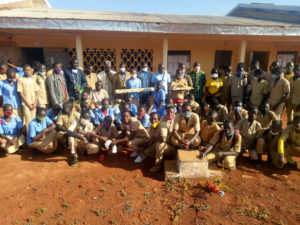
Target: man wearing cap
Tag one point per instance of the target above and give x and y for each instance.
(106, 77)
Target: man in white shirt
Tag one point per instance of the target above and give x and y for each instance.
(106, 77)
(162, 76)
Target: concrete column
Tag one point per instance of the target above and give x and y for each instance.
(165, 52)
(242, 53)
(79, 50)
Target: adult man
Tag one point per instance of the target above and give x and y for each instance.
(289, 74)
(199, 80)
(279, 93)
(75, 79)
(57, 88)
(186, 128)
(254, 67)
(162, 76)
(265, 117)
(119, 80)
(134, 83)
(106, 77)
(224, 146)
(145, 76)
(295, 94)
(259, 88)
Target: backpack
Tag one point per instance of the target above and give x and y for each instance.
(236, 134)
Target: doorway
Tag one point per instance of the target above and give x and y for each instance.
(262, 57)
(29, 55)
(175, 57)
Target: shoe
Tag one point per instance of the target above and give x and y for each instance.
(156, 168)
(73, 160)
(291, 166)
(34, 151)
(140, 159)
(133, 154)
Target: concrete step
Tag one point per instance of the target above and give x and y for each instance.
(170, 169)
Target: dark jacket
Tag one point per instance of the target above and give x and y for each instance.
(72, 79)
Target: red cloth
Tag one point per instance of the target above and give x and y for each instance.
(178, 100)
(104, 112)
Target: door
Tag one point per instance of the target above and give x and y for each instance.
(175, 57)
(284, 57)
(56, 55)
(262, 57)
(29, 55)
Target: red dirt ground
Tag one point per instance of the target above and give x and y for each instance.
(43, 189)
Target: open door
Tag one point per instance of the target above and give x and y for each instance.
(262, 57)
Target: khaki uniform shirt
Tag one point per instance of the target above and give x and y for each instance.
(195, 106)
(91, 81)
(136, 126)
(222, 113)
(43, 95)
(190, 127)
(167, 127)
(258, 90)
(224, 145)
(110, 134)
(176, 83)
(295, 91)
(278, 89)
(155, 132)
(75, 126)
(77, 104)
(232, 117)
(226, 85)
(271, 141)
(29, 87)
(207, 131)
(292, 137)
(65, 120)
(247, 131)
(266, 120)
(98, 96)
(237, 86)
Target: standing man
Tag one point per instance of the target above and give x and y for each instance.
(91, 79)
(119, 80)
(199, 80)
(75, 79)
(162, 76)
(145, 76)
(106, 77)
(134, 83)
(56, 85)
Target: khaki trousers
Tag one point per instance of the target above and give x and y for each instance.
(12, 148)
(184, 136)
(75, 143)
(226, 161)
(48, 145)
(291, 151)
(278, 112)
(28, 115)
(137, 143)
(159, 150)
(61, 136)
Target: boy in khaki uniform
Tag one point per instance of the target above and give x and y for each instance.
(288, 144)
(248, 129)
(98, 95)
(280, 91)
(220, 109)
(40, 79)
(133, 134)
(191, 100)
(224, 146)
(265, 117)
(259, 88)
(28, 90)
(209, 127)
(65, 119)
(226, 77)
(267, 142)
(186, 128)
(79, 137)
(178, 82)
(84, 98)
(91, 79)
(294, 99)
(238, 113)
(163, 145)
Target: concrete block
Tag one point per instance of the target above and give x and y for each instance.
(171, 171)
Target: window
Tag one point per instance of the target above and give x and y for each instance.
(222, 58)
(175, 57)
(284, 57)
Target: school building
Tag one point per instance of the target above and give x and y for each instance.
(35, 31)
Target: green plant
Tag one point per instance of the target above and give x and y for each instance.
(41, 211)
(98, 212)
(65, 205)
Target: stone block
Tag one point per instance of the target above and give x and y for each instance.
(170, 167)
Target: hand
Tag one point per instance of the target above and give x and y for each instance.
(113, 142)
(280, 160)
(219, 155)
(85, 141)
(10, 142)
(104, 139)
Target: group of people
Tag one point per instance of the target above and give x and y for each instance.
(222, 114)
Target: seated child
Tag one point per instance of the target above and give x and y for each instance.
(143, 117)
(238, 113)
(195, 105)
(53, 112)
(209, 127)
(105, 110)
(99, 94)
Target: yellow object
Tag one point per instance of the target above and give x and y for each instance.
(156, 124)
(214, 85)
(281, 145)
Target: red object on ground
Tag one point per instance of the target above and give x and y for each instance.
(101, 158)
(211, 187)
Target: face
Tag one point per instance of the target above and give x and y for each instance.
(274, 66)
(126, 107)
(170, 101)
(107, 123)
(58, 66)
(252, 115)
(179, 75)
(67, 109)
(3, 69)
(90, 70)
(11, 77)
(275, 128)
(42, 68)
(161, 68)
(228, 129)
(187, 109)
(8, 111)
(84, 95)
(159, 85)
(107, 68)
(153, 118)
(75, 64)
(99, 86)
(27, 70)
(170, 112)
(141, 111)
(265, 108)
(183, 68)
(296, 124)
(130, 100)
(255, 66)
(85, 116)
(197, 67)
(85, 107)
(105, 103)
(41, 116)
(126, 117)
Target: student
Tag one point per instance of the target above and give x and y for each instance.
(65, 119)
(163, 77)
(288, 144)
(91, 79)
(9, 94)
(134, 83)
(224, 147)
(11, 127)
(105, 110)
(53, 113)
(267, 142)
(185, 75)
(3, 69)
(204, 109)
(289, 70)
(160, 97)
(226, 78)
(79, 137)
(29, 93)
(213, 86)
(238, 113)
(169, 102)
(85, 106)
(98, 95)
(199, 80)
(238, 84)
(143, 117)
(249, 128)
(84, 98)
(265, 117)
(221, 110)
(163, 145)
(104, 132)
(177, 83)
(186, 128)
(41, 133)
(133, 134)
(151, 107)
(40, 78)
(259, 88)
(279, 92)
(56, 85)
(119, 80)
(295, 94)
(145, 76)
(133, 107)
(191, 100)
(208, 127)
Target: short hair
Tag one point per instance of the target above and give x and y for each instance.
(68, 104)
(10, 71)
(214, 101)
(26, 65)
(3, 64)
(6, 105)
(84, 104)
(186, 104)
(125, 111)
(83, 112)
(153, 113)
(196, 63)
(57, 63)
(170, 107)
(190, 95)
(108, 118)
(212, 113)
(142, 107)
(229, 122)
(104, 100)
(39, 110)
(73, 60)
